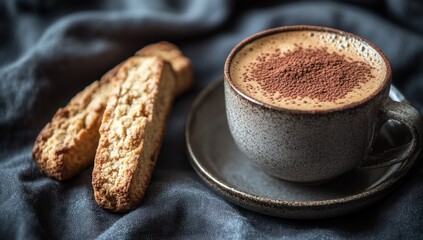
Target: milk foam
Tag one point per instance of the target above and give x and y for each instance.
(352, 49)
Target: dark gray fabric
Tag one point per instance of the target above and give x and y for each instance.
(52, 49)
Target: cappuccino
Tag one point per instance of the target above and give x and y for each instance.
(308, 70)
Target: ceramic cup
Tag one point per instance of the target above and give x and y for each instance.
(306, 146)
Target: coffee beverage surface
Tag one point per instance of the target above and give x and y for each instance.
(308, 70)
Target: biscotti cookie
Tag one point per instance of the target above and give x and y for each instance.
(131, 132)
(180, 64)
(68, 143)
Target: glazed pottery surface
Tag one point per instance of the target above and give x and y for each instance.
(225, 168)
(309, 146)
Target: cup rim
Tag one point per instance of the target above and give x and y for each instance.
(276, 30)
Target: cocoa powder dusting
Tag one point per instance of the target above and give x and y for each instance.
(306, 72)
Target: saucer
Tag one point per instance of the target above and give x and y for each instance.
(225, 169)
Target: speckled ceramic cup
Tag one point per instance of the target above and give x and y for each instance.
(309, 146)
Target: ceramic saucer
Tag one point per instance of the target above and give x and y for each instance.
(224, 168)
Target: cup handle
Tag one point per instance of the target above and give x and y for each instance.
(412, 119)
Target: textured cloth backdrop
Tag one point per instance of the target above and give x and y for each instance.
(52, 49)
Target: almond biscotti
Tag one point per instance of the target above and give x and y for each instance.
(131, 132)
(180, 64)
(68, 143)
